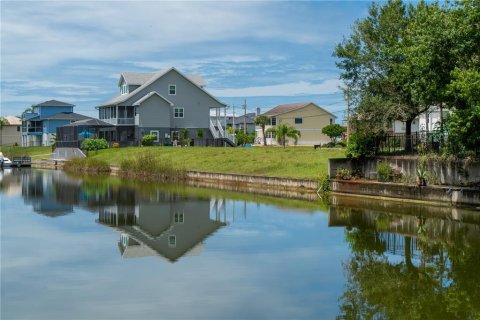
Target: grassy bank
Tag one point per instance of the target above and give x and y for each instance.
(33, 152)
(293, 162)
(87, 165)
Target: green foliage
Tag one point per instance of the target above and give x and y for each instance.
(244, 138)
(324, 184)
(184, 137)
(362, 145)
(94, 144)
(405, 58)
(148, 139)
(344, 173)
(333, 131)
(147, 166)
(283, 131)
(200, 133)
(3, 122)
(384, 171)
(87, 165)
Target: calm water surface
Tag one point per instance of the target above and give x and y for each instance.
(100, 248)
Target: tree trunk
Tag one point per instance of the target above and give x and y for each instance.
(264, 137)
(408, 135)
(408, 253)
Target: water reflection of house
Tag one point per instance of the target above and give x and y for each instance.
(41, 192)
(171, 227)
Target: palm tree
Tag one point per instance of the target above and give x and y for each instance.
(284, 131)
(262, 121)
(27, 110)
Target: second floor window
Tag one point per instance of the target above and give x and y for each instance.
(172, 89)
(124, 88)
(178, 112)
(273, 121)
(298, 120)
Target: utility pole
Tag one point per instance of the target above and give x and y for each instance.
(245, 117)
(233, 118)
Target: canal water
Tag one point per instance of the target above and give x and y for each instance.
(103, 248)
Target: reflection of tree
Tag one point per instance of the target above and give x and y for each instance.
(444, 285)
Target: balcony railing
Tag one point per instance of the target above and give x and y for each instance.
(120, 121)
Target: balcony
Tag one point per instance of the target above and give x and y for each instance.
(120, 121)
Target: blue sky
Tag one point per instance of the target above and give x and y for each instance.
(267, 52)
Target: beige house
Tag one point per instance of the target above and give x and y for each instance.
(306, 117)
(11, 133)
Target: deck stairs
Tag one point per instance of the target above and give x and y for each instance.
(218, 132)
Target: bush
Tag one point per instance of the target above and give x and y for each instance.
(362, 145)
(384, 171)
(94, 144)
(344, 174)
(148, 139)
(329, 145)
(324, 184)
(340, 144)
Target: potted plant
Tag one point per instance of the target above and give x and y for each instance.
(344, 174)
(421, 176)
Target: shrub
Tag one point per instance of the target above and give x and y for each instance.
(384, 171)
(329, 145)
(148, 139)
(323, 184)
(94, 144)
(340, 144)
(344, 174)
(362, 145)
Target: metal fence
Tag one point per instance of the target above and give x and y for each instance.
(420, 142)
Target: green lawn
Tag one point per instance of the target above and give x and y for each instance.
(34, 152)
(294, 162)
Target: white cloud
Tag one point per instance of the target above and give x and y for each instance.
(287, 89)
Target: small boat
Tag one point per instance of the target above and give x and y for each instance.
(5, 162)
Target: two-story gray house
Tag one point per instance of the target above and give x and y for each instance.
(164, 104)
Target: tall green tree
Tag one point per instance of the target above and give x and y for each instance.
(395, 62)
(333, 131)
(262, 121)
(283, 131)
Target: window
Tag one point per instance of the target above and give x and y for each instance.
(273, 121)
(172, 89)
(331, 121)
(172, 241)
(178, 112)
(124, 88)
(269, 134)
(156, 133)
(179, 217)
(18, 128)
(298, 120)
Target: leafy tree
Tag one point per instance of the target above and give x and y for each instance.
(333, 131)
(262, 121)
(3, 122)
(27, 110)
(396, 61)
(284, 131)
(244, 138)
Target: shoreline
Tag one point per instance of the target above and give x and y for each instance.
(305, 189)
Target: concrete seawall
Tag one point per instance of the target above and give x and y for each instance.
(306, 189)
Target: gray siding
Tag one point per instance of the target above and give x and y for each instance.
(154, 112)
(196, 102)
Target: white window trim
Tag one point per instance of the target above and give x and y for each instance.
(172, 245)
(183, 112)
(172, 85)
(158, 135)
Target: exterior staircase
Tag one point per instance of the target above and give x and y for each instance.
(219, 133)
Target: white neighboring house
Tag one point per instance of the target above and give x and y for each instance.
(427, 121)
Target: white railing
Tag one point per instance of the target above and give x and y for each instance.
(220, 129)
(120, 121)
(213, 130)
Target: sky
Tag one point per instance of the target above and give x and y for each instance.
(268, 53)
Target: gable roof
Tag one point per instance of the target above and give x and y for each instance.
(13, 121)
(147, 96)
(139, 78)
(53, 103)
(284, 108)
(124, 97)
(71, 116)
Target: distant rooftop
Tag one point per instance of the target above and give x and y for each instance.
(13, 121)
(53, 103)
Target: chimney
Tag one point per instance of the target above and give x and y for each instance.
(258, 111)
